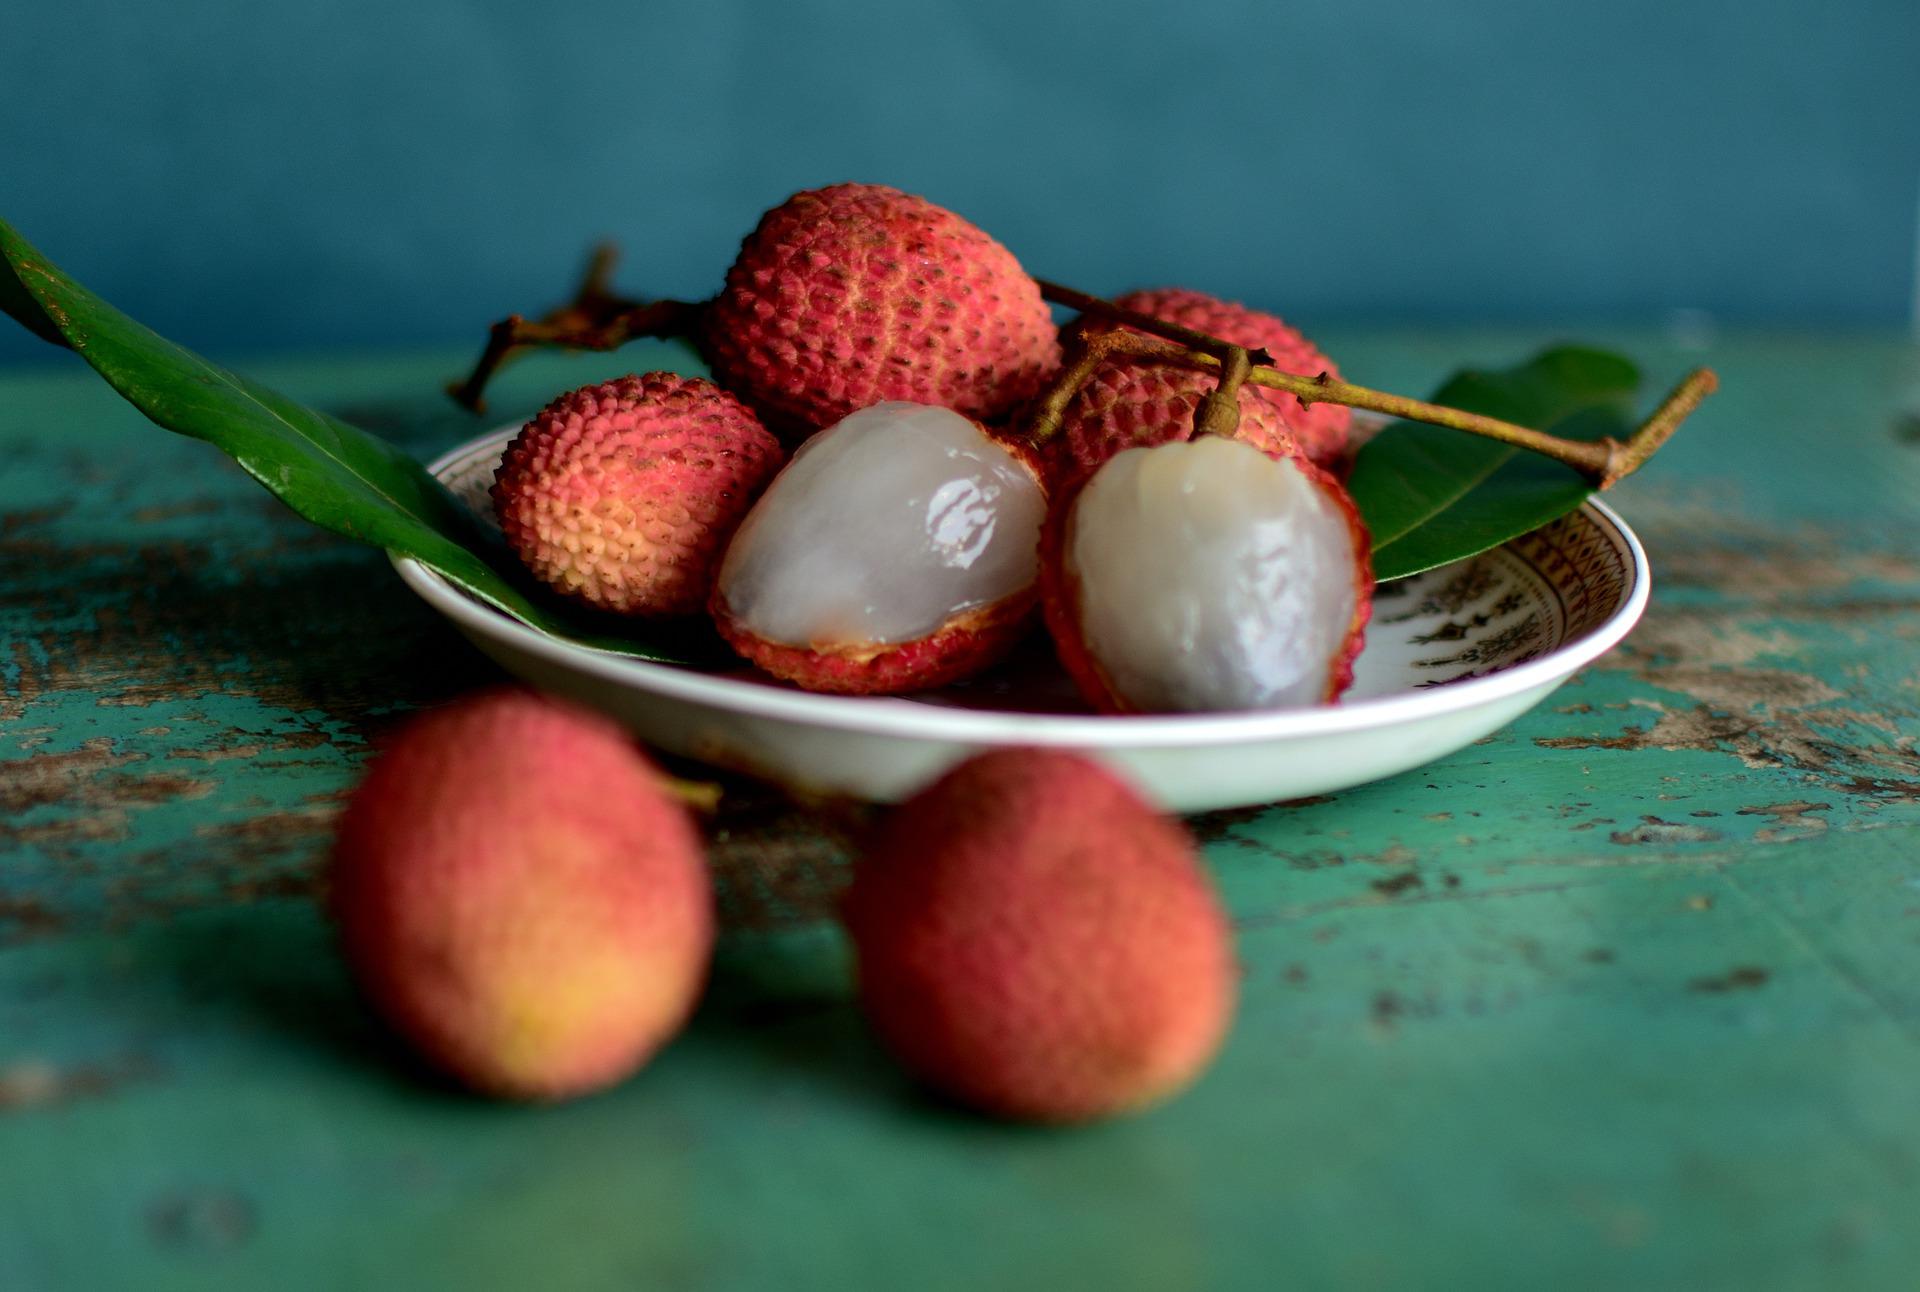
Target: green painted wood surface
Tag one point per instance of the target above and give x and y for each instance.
(1627, 995)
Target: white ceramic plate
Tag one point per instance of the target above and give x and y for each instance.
(1451, 655)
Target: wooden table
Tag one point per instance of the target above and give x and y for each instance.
(1626, 995)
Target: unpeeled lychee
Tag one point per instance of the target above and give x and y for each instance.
(1037, 942)
(896, 552)
(519, 898)
(1320, 430)
(1205, 575)
(1128, 403)
(623, 495)
(846, 296)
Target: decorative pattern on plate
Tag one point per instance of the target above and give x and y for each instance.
(1520, 601)
(469, 476)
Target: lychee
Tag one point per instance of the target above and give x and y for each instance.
(1037, 942)
(520, 899)
(1206, 575)
(1320, 430)
(897, 551)
(1127, 403)
(854, 294)
(623, 495)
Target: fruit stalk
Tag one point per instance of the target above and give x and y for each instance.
(1625, 459)
(1075, 299)
(1219, 413)
(594, 319)
(702, 797)
(1604, 461)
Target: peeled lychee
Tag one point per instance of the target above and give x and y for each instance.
(519, 898)
(1206, 575)
(858, 293)
(1320, 430)
(896, 552)
(1037, 942)
(623, 495)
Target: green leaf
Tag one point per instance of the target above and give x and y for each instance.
(19, 304)
(332, 473)
(1430, 495)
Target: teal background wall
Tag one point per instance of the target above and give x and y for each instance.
(251, 177)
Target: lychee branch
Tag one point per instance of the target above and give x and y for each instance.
(1086, 350)
(1096, 307)
(1605, 461)
(598, 319)
(595, 319)
(1624, 459)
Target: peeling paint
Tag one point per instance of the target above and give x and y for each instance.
(1653, 830)
(1790, 820)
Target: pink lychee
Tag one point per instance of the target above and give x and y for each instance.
(520, 899)
(623, 495)
(1035, 941)
(850, 295)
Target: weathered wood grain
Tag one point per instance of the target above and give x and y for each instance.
(1627, 994)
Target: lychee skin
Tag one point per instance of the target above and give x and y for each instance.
(968, 645)
(1060, 593)
(1321, 430)
(1128, 403)
(1035, 941)
(846, 296)
(520, 900)
(622, 495)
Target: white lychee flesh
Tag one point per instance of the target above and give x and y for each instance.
(1211, 577)
(882, 529)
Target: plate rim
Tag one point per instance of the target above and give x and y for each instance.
(903, 717)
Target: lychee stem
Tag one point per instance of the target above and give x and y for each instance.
(696, 796)
(1085, 351)
(1605, 461)
(1074, 299)
(1624, 459)
(1219, 413)
(595, 319)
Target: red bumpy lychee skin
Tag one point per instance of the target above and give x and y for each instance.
(1037, 942)
(520, 899)
(1144, 404)
(966, 646)
(1129, 403)
(1060, 593)
(857, 293)
(1320, 430)
(623, 495)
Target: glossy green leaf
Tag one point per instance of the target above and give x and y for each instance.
(1431, 495)
(332, 473)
